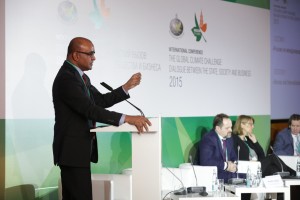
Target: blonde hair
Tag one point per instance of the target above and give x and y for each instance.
(237, 129)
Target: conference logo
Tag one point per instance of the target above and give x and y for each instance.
(67, 11)
(99, 14)
(199, 28)
(176, 27)
(69, 14)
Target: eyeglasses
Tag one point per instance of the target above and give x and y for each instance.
(91, 53)
(249, 123)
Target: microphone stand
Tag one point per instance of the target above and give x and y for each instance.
(237, 180)
(195, 189)
(182, 190)
(237, 163)
(282, 173)
(111, 89)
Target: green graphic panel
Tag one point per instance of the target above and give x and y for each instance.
(262, 130)
(114, 152)
(28, 151)
(180, 136)
(28, 156)
(256, 3)
(2, 157)
(175, 151)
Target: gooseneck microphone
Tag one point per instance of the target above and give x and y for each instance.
(111, 89)
(191, 160)
(182, 190)
(282, 173)
(195, 189)
(106, 86)
(237, 180)
(237, 163)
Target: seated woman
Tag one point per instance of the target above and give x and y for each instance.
(244, 137)
(250, 149)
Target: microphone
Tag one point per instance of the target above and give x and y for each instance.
(111, 89)
(237, 162)
(237, 180)
(107, 86)
(282, 173)
(182, 190)
(191, 160)
(195, 189)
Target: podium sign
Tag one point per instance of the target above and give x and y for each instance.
(146, 159)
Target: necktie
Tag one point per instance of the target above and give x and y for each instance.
(87, 83)
(224, 148)
(85, 79)
(91, 123)
(298, 145)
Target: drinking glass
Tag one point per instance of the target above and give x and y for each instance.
(221, 186)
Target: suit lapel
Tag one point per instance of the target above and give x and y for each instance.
(291, 141)
(74, 71)
(80, 79)
(220, 145)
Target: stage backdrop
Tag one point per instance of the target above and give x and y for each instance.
(198, 58)
(285, 58)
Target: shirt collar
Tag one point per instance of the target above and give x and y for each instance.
(220, 137)
(77, 68)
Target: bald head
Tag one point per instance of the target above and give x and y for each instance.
(81, 53)
(76, 44)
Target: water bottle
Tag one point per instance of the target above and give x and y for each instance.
(298, 168)
(248, 177)
(259, 175)
(214, 181)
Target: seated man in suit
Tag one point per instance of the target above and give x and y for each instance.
(212, 152)
(287, 141)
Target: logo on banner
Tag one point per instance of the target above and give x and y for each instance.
(99, 14)
(176, 27)
(69, 14)
(199, 28)
(67, 11)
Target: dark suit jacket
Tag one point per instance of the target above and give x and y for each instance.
(74, 110)
(244, 150)
(283, 144)
(210, 152)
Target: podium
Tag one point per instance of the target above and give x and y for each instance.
(146, 158)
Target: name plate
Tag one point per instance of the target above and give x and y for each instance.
(273, 181)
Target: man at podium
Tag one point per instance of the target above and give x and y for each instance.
(78, 105)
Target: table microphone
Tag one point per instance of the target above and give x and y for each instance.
(195, 189)
(237, 163)
(182, 190)
(237, 180)
(282, 173)
(111, 89)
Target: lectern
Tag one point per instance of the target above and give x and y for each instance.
(146, 159)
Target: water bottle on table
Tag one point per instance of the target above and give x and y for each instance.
(248, 177)
(298, 168)
(214, 181)
(259, 176)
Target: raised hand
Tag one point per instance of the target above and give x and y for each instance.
(134, 80)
